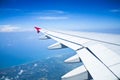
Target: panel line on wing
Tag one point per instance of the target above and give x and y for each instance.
(76, 40)
(90, 39)
(67, 41)
(68, 44)
(86, 56)
(91, 54)
(114, 64)
(102, 62)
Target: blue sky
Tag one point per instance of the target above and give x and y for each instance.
(22, 15)
(59, 14)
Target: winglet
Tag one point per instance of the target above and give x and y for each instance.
(38, 29)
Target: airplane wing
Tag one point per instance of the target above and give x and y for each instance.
(99, 53)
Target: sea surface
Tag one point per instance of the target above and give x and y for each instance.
(23, 47)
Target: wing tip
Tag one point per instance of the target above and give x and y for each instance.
(37, 29)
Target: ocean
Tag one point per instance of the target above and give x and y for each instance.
(23, 47)
(20, 47)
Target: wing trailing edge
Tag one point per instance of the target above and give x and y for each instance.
(44, 37)
(95, 67)
(112, 62)
(100, 62)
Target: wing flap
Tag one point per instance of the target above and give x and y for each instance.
(95, 67)
(67, 43)
(73, 39)
(101, 62)
(108, 57)
(116, 70)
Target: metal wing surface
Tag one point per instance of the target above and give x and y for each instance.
(98, 52)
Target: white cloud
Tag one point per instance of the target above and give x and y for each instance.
(35, 64)
(21, 71)
(50, 15)
(7, 78)
(52, 18)
(54, 11)
(115, 10)
(56, 56)
(10, 28)
(49, 12)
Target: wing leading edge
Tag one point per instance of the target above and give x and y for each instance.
(99, 61)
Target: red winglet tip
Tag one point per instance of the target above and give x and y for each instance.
(38, 29)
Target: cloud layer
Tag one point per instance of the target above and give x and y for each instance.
(115, 10)
(51, 15)
(52, 18)
(10, 28)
